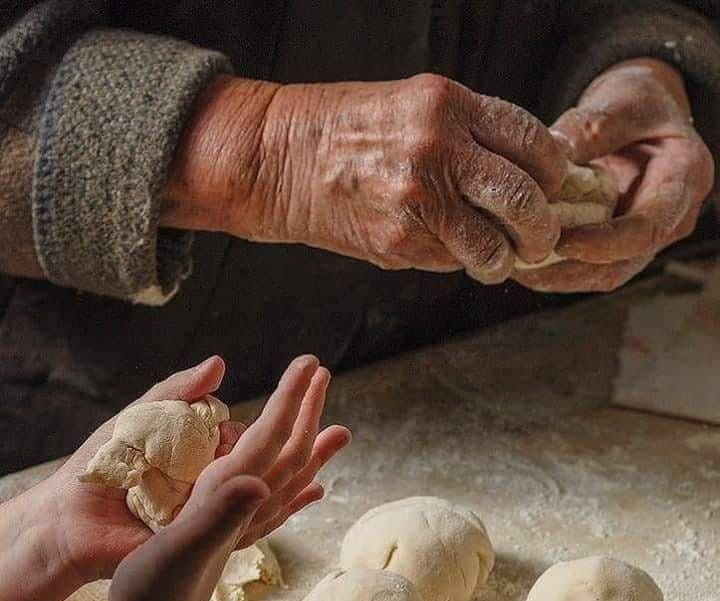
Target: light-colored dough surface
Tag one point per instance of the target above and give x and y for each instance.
(588, 196)
(515, 423)
(598, 578)
(441, 547)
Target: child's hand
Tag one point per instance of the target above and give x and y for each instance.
(264, 475)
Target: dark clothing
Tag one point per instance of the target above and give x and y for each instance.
(93, 96)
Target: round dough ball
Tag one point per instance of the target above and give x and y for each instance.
(595, 579)
(363, 584)
(442, 548)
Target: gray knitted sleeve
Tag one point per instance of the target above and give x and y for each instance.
(109, 127)
(89, 120)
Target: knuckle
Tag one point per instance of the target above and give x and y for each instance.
(522, 199)
(529, 130)
(583, 123)
(435, 94)
(434, 86)
(494, 260)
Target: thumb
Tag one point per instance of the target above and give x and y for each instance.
(215, 514)
(185, 559)
(618, 109)
(190, 384)
(586, 133)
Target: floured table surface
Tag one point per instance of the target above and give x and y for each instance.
(514, 422)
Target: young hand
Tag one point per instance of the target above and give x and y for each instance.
(264, 475)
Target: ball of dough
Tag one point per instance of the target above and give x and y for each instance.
(363, 584)
(442, 548)
(595, 579)
(156, 452)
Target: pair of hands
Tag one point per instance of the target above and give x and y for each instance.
(262, 475)
(424, 173)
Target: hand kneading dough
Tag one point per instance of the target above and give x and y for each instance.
(157, 451)
(443, 549)
(595, 579)
(588, 196)
(363, 584)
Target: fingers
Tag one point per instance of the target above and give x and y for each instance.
(190, 384)
(260, 445)
(664, 208)
(188, 556)
(617, 110)
(313, 493)
(229, 506)
(297, 450)
(510, 131)
(330, 442)
(510, 195)
(575, 276)
(484, 252)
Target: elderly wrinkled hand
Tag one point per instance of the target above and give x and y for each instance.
(635, 121)
(417, 173)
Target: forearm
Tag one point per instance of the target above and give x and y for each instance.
(31, 564)
(221, 165)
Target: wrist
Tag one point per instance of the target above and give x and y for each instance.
(38, 566)
(219, 166)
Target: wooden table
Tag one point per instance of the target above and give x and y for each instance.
(515, 422)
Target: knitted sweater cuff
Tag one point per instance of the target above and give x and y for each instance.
(109, 128)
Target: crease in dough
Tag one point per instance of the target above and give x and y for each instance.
(156, 452)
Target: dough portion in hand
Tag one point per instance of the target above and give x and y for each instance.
(363, 584)
(588, 196)
(254, 564)
(442, 548)
(595, 579)
(157, 451)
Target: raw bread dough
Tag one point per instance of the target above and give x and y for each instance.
(595, 579)
(254, 564)
(363, 584)
(588, 196)
(442, 548)
(157, 451)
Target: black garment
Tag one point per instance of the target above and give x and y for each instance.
(70, 359)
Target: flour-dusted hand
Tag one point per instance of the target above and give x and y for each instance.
(418, 173)
(635, 121)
